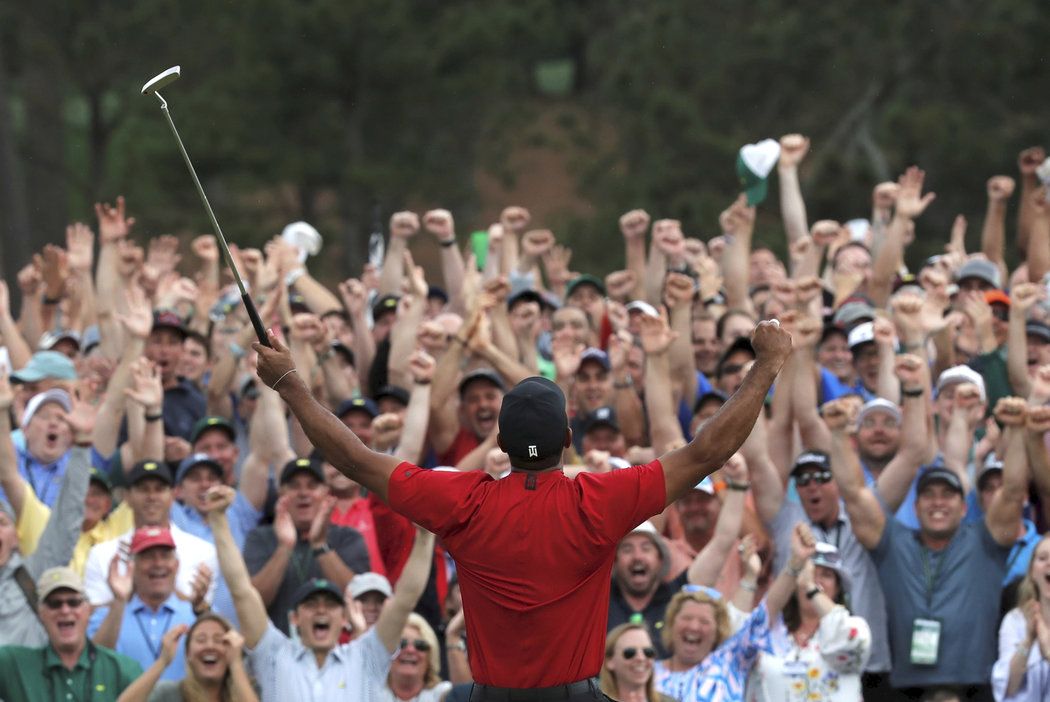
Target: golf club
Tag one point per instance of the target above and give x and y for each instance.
(152, 86)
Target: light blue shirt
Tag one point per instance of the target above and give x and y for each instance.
(142, 629)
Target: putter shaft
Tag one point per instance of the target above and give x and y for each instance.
(253, 313)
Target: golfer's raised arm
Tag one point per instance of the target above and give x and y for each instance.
(722, 435)
(337, 443)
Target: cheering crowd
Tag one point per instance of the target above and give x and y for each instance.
(169, 532)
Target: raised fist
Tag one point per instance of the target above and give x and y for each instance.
(793, 148)
(825, 232)
(1030, 159)
(404, 224)
(772, 344)
(1011, 411)
(440, 224)
(633, 224)
(1000, 187)
(838, 415)
(514, 219)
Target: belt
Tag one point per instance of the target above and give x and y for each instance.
(572, 691)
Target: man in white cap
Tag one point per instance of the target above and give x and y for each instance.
(371, 591)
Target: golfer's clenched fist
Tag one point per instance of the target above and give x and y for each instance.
(275, 364)
(772, 344)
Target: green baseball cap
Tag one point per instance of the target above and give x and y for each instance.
(754, 163)
(205, 423)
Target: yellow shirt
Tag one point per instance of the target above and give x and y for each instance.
(34, 518)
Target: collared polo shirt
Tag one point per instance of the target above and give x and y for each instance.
(242, 515)
(620, 612)
(142, 628)
(866, 598)
(534, 555)
(37, 674)
(286, 670)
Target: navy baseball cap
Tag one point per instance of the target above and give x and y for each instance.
(596, 355)
(301, 465)
(144, 470)
(938, 473)
(194, 460)
(393, 392)
(312, 587)
(484, 374)
(166, 319)
(360, 404)
(533, 424)
(601, 417)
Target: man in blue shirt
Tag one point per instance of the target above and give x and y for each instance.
(145, 604)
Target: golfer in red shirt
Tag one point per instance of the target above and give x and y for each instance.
(534, 551)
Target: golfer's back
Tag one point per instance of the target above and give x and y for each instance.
(534, 553)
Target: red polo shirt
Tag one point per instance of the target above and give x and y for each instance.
(534, 554)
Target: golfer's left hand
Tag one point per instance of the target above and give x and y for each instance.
(274, 363)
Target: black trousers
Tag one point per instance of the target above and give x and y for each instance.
(579, 691)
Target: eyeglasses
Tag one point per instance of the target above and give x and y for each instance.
(730, 369)
(57, 603)
(648, 652)
(821, 478)
(419, 644)
(709, 591)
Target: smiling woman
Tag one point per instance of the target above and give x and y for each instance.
(416, 667)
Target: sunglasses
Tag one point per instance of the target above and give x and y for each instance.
(709, 591)
(648, 652)
(57, 603)
(419, 644)
(821, 478)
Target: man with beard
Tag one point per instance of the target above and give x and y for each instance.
(68, 661)
(145, 605)
(641, 563)
(315, 667)
(302, 544)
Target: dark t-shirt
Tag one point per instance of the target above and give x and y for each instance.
(534, 554)
(184, 404)
(262, 542)
(620, 612)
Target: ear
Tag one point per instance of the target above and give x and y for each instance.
(499, 442)
(568, 438)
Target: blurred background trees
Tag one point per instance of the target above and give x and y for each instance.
(342, 111)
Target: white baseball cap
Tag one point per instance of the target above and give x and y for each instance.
(962, 374)
(40, 399)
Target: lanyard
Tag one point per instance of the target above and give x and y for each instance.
(826, 532)
(931, 578)
(302, 565)
(154, 650)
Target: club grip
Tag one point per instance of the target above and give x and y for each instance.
(253, 314)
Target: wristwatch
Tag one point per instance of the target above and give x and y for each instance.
(320, 551)
(813, 592)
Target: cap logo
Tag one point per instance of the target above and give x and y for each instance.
(303, 463)
(150, 466)
(603, 413)
(533, 452)
(213, 420)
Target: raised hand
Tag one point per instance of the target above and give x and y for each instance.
(54, 268)
(566, 353)
(735, 469)
(1030, 159)
(679, 289)
(805, 332)
(537, 242)
(1024, 296)
(668, 237)
(634, 224)
(910, 201)
(421, 365)
(113, 225)
(655, 333)
(910, 371)
(884, 196)
(121, 583)
(146, 387)
(808, 289)
(386, 431)
(738, 218)
(275, 361)
(29, 278)
(803, 545)
(839, 415)
(80, 243)
(619, 284)
(1040, 392)
(597, 461)
(440, 224)
(129, 258)
(556, 262)
(749, 557)
(218, 499)
(354, 296)
(793, 148)
(1000, 188)
(169, 643)
(233, 642)
(205, 248)
(1011, 411)
(404, 225)
(138, 321)
(318, 534)
(7, 394)
(772, 344)
(1037, 420)
(163, 253)
(514, 219)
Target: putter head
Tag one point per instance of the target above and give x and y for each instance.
(159, 81)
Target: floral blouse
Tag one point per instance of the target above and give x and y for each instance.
(826, 669)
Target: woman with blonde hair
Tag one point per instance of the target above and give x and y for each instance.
(708, 661)
(415, 670)
(627, 675)
(1022, 673)
(214, 667)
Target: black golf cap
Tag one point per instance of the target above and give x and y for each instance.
(533, 424)
(144, 470)
(938, 473)
(483, 374)
(601, 417)
(811, 459)
(312, 587)
(394, 393)
(301, 465)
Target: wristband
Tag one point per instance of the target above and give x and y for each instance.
(289, 280)
(320, 551)
(739, 487)
(913, 393)
(421, 382)
(449, 243)
(154, 417)
(627, 382)
(794, 572)
(83, 444)
(750, 587)
(52, 300)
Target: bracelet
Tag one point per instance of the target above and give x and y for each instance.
(750, 587)
(83, 444)
(154, 417)
(913, 393)
(448, 243)
(739, 487)
(326, 355)
(52, 300)
(274, 386)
